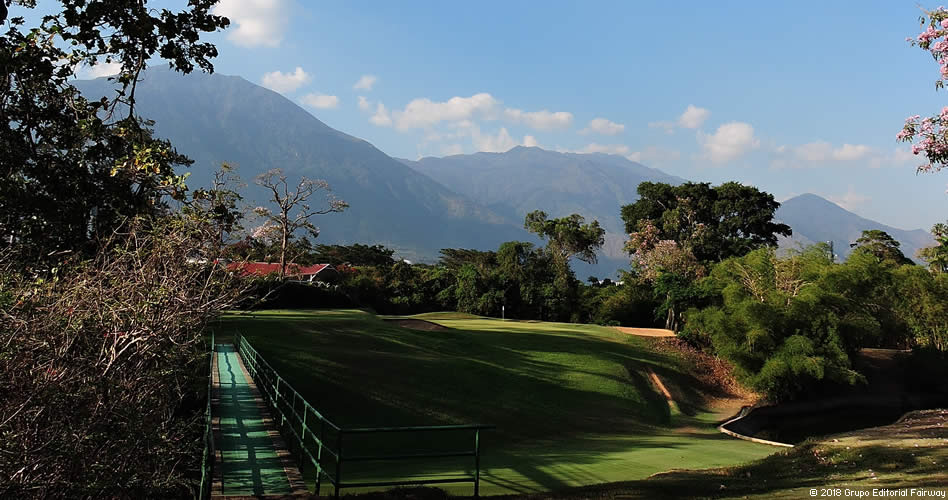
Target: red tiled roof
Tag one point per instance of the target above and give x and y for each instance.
(265, 268)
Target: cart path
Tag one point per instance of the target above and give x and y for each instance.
(250, 458)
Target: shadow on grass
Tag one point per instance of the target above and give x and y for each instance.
(908, 454)
(783, 474)
(541, 388)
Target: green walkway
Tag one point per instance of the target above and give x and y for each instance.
(250, 458)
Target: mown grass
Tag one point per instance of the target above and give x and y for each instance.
(912, 453)
(573, 404)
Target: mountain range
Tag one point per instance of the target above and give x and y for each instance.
(816, 219)
(216, 118)
(418, 207)
(524, 179)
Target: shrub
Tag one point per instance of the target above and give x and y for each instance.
(780, 323)
(102, 367)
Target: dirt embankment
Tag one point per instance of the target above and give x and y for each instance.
(714, 376)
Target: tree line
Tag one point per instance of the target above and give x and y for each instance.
(703, 262)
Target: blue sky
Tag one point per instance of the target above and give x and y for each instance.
(793, 97)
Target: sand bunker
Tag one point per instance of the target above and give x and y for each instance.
(417, 324)
(646, 332)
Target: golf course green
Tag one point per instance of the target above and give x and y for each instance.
(573, 405)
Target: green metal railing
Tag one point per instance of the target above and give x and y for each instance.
(207, 460)
(318, 440)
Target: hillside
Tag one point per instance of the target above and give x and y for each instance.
(217, 118)
(529, 178)
(524, 179)
(816, 219)
(419, 207)
(596, 185)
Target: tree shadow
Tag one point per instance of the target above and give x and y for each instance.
(553, 395)
(249, 463)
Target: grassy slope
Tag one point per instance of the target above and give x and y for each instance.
(912, 453)
(572, 403)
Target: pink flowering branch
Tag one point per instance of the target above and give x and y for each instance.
(930, 135)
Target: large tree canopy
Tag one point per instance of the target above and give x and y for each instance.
(882, 245)
(568, 236)
(71, 166)
(714, 223)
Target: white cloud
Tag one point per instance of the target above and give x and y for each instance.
(99, 70)
(603, 126)
(498, 143)
(435, 136)
(693, 117)
(255, 22)
(540, 120)
(366, 82)
(423, 112)
(785, 197)
(530, 141)
(482, 141)
(900, 157)
(320, 101)
(381, 117)
(730, 141)
(903, 156)
(814, 151)
(668, 126)
(817, 152)
(452, 149)
(286, 82)
(364, 104)
(654, 155)
(850, 152)
(850, 200)
(612, 149)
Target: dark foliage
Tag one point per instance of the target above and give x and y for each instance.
(715, 223)
(103, 367)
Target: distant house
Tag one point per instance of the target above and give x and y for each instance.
(317, 272)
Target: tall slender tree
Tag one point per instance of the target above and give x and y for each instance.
(293, 210)
(568, 237)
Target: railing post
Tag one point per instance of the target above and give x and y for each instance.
(302, 427)
(319, 452)
(477, 462)
(338, 463)
(276, 402)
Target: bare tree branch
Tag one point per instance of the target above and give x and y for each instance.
(288, 224)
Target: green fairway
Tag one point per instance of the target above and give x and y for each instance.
(573, 404)
(898, 457)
